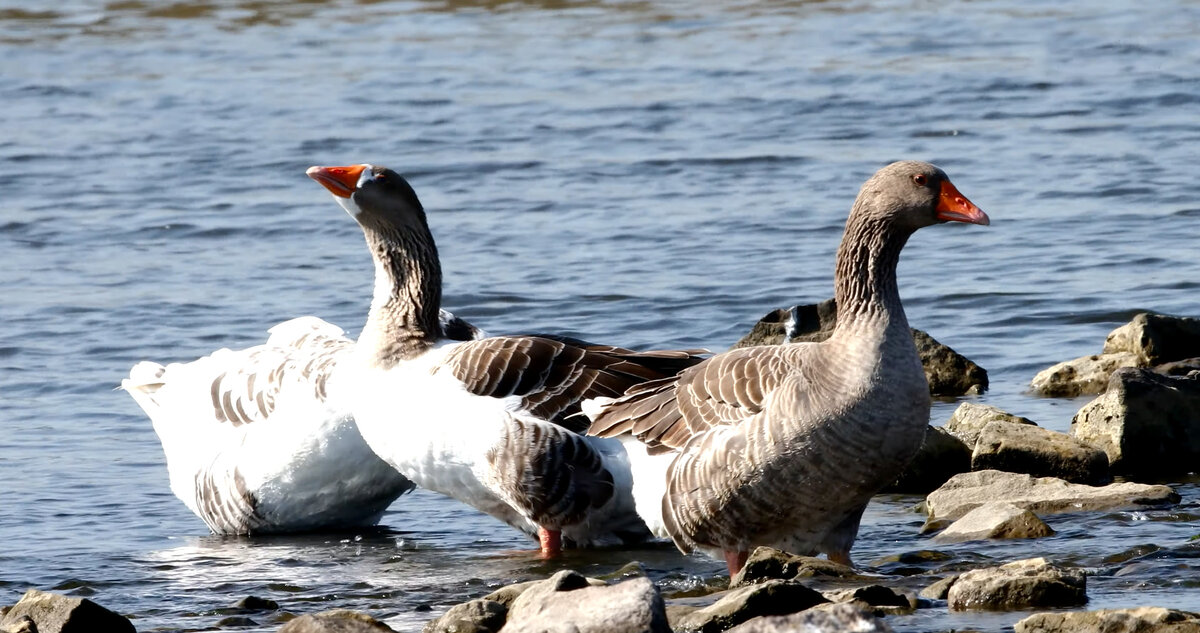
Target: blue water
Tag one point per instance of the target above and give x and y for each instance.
(648, 174)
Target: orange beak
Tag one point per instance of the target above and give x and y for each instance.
(954, 207)
(340, 181)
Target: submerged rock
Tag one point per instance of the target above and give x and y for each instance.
(831, 618)
(948, 372)
(1021, 584)
(562, 603)
(940, 457)
(1146, 423)
(1041, 495)
(772, 597)
(1022, 448)
(969, 420)
(766, 563)
(335, 621)
(1139, 620)
(54, 613)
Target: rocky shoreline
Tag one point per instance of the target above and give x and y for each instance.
(987, 474)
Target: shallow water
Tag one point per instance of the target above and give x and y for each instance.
(649, 174)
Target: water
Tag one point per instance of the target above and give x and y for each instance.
(649, 174)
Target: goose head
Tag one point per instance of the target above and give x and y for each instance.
(376, 197)
(914, 194)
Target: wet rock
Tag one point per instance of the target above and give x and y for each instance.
(876, 598)
(940, 457)
(766, 563)
(54, 613)
(1139, 620)
(1147, 424)
(1082, 376)
(772, 597)
(475, 616)
(24, 624)
(335, 621)
(997, 520)
(1021, 584)
(236, 621)
(948, 372)
(1156, 338)
(939, 589)
(1040, 495)
(254, 603)
(832, 618)
(1022, 448)
(969, 420)
(562, 603)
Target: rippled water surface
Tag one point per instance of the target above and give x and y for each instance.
(643, 173)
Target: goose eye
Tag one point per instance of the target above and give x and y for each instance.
(921, 180)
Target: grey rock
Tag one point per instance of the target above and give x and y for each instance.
(54, 613)
(969, 420)
(1147, 424)
(475, 616)
(939, 589)
(1021, 448)
(996, 520)
(1022, 584)
(254, 603)
(1156, 338)
(1139, 620)
(948, 372)
(563, 604)
(941, 456)
(1082, 376)
(832, 618)
(23, 624)
(335, 621)
(1041, 495)
(766, 563)
(772, 597)
(883, 600)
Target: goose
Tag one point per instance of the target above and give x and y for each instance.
(783, 446)
(495, 422)
(261, 440)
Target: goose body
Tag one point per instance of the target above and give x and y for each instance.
(784, 446)
(262, 440)
(493, 422)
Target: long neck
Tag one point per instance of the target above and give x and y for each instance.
(403, 321)
(865, 277)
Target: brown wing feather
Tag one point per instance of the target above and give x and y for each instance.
(553, 375)
(722, 390)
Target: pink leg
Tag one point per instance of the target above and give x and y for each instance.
(735, 560)
(551, 542)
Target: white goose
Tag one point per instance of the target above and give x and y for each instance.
(488, 422)
(784, 445)
(262, 440)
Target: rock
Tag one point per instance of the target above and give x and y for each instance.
(335, 621)
(563, 604)
(475, 616)
(1080, 377)
(882, 599)
(772, 597)
(1040, 495)
(1139, 620)
(997, 520)
(939, 589)
(766, 563)
(948, 372)
(969, 419)
(23, 624)
(254, 603)
(1156, 338)
(1021, 448)
(54, 613)
(236, 622)
(832, 618)
(1147, 424)
(940, 457)
(1021, 584)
